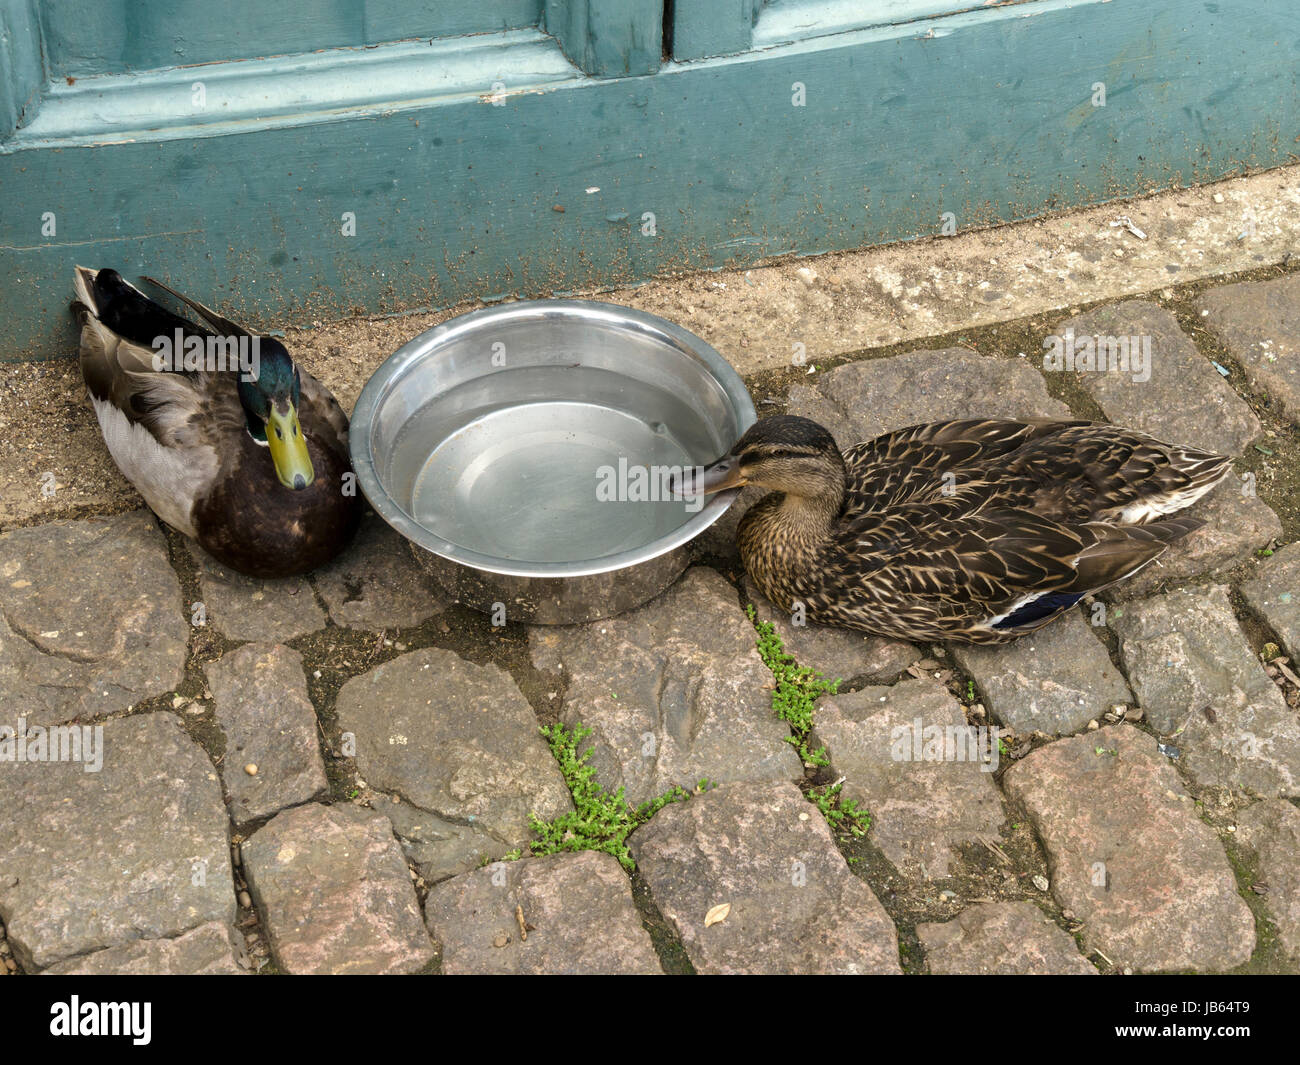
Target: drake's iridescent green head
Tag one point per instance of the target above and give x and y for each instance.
(270, 404)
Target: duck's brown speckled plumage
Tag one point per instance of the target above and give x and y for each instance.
(182, 438)
(976, 531)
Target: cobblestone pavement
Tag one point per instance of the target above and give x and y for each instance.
(338, 773)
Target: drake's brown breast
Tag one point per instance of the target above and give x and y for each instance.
(252, 523)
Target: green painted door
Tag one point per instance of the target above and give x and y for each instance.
(725, 27)
(121, 36)
(294, 160)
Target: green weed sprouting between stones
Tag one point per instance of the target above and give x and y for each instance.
(794, 697)
(846, 816)
(796, 690)
(600, 821)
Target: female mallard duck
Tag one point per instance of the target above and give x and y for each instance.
(251, 461)
(978, 531)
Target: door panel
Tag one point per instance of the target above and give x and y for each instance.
(396, 20)
(608, 38)
(707, 28)
(116, 36)
(788, 21)
(221, 98)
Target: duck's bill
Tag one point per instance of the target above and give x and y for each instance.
(717, 476)
(289, 449)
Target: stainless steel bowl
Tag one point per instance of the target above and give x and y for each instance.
(486, 440)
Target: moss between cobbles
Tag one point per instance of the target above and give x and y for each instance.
(794, 700)
(796, 691)
(601, 820)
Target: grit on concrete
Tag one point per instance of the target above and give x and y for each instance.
(336, 773)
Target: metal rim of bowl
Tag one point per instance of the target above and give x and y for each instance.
(394, 368)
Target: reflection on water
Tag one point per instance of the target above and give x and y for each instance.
(520, 481)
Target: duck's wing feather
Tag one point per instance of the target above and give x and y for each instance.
(219, 322)
(178, 408)
(319, 411)
(1069, 471)
(991, 572)
(922, 462)
(127, 311)
(163, 428)
(1108, 473)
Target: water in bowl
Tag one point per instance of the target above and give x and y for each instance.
(532, 481)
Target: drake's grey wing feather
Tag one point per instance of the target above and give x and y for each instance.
(161, 427)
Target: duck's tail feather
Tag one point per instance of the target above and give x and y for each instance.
(126, 311)
(1188, 475)
(83, 283)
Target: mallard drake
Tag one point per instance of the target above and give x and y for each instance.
(976, 531)
(251, 459)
